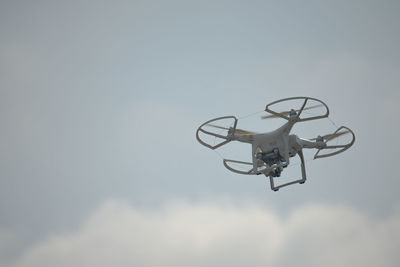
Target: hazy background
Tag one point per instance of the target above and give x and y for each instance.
(100, 101)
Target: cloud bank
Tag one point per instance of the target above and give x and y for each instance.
(210, 234)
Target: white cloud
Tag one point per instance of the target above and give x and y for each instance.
(210, 234)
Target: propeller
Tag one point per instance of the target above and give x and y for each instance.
(240, 131)
(285, 113)
(329, 137)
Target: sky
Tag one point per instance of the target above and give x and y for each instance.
(100, 102)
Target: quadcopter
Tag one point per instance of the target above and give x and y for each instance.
(271, 151)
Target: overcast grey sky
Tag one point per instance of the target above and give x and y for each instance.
(100, 100)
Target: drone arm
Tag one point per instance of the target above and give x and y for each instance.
(304, 143)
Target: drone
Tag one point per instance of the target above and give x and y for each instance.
(271, 151)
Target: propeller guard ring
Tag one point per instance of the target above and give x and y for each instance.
(267, 108)
(343, 147)
(249, 172)
(227, 140)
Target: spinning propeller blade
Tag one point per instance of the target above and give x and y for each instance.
(285, 113)
(329, 137)
(217, 126)
(240, 131)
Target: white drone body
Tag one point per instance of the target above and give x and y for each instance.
(271, 152)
